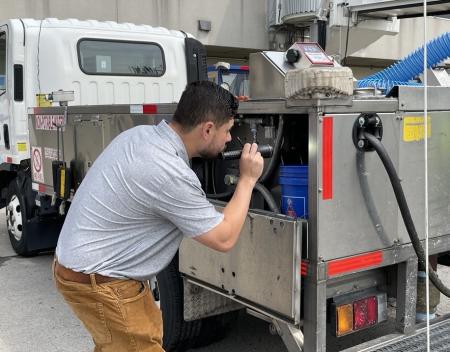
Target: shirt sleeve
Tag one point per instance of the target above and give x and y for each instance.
(183, 202)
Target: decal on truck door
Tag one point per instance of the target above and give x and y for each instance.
(37, 167)
(49, 122)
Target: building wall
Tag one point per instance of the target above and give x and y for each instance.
(369, 48)
(234, 23)
(238, 27)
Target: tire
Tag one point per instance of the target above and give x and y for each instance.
(18, 212)
(179, 334)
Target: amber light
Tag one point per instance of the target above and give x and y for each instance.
(365, 312)
(344, 319)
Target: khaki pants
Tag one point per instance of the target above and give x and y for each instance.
(121, 315)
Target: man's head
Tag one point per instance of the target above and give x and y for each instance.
(206, 110)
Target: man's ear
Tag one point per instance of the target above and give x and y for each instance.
(207, 129)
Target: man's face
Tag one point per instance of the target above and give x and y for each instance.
(220, 136)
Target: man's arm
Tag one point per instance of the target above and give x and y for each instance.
(225, 235)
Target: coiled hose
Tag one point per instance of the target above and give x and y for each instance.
(404, 210)
(403, 71)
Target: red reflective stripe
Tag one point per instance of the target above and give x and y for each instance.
(340, 266)
(41, 188)
(9, 159)
(304, 268)
(149, 109)
(327, 158)
(244, 67)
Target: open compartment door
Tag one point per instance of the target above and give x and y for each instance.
(262, 270)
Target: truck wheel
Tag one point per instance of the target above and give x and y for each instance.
(16, 217)
(179, 334)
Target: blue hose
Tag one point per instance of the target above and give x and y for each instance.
(402, 72)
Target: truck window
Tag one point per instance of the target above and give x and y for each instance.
(120, 58)
(2, 61)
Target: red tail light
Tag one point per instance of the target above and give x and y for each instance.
(365, 313)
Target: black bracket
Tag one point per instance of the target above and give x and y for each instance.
(366, 123)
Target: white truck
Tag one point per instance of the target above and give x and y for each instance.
(99, 63)
(321, 269)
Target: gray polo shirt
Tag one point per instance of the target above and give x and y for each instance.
(134, 206)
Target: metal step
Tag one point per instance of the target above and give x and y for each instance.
(417, 342)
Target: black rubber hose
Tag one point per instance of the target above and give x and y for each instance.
(404, 210)
(219, 195)
(267, 197)
(276, 153)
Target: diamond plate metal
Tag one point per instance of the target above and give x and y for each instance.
(201, 303)
(439, 337)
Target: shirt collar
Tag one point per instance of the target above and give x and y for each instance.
(174, 139)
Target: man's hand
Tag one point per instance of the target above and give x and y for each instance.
(251, 164)
(225, 235)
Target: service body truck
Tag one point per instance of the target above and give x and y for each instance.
(319, 260)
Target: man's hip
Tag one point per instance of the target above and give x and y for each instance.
(121, 315)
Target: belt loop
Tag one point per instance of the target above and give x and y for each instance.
(93, 281)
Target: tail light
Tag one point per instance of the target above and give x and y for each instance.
(358, 313)
(344, 319)
(365, 313)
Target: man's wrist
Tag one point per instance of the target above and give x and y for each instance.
(247, 182)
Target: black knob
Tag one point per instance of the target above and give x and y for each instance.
(292, 56)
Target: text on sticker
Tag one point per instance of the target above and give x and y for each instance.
(49, 122)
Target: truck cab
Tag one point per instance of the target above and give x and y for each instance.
(95, 63)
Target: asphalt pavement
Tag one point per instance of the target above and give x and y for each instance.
(34, 318)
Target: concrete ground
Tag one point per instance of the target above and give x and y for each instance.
(34, 318)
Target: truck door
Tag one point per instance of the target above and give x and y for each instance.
(4, 104)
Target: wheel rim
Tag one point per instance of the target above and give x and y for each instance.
(154, 288)
(14, 218)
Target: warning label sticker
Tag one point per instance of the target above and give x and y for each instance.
(414, 128)
(52, 154)
(37, 167)
(49, 122)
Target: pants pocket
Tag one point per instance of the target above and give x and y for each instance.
(93, 318)
(130, 291)
(144, 320)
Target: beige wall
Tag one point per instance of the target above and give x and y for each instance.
(234, 23)
(369, 48)
(237, 26)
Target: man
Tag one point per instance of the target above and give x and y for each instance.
(135, 205)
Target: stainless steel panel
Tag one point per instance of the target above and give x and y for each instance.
(362, 215)
(412, 98)
(266, 79)
(439, 174)
(262, 268)
(103, 109)
(85, 136)
(412, 173)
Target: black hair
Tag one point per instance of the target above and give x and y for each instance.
(205, 101)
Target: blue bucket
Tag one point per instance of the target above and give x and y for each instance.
(294, 190)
